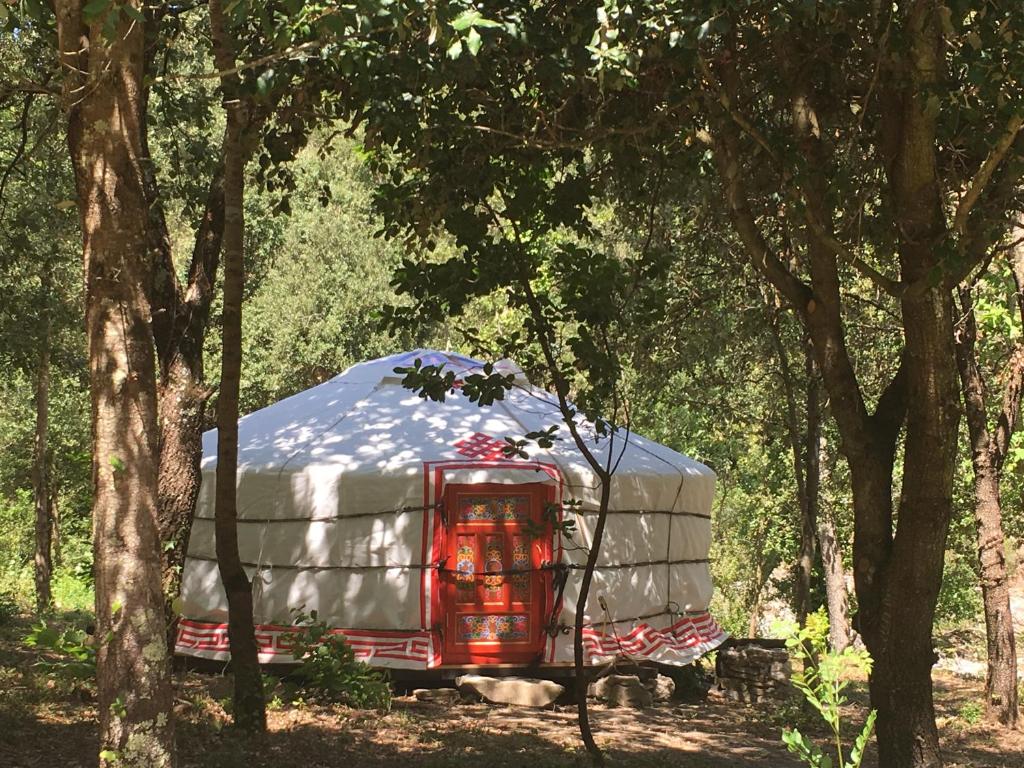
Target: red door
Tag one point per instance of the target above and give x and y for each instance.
(494, 615)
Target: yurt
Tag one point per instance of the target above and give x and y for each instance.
(402, 522)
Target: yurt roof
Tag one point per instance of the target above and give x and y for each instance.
(365, 421)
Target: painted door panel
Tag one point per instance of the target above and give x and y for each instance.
(495, 586)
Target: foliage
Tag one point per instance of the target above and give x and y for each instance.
(971, 712)
(960, 596)
(822, 681)
(9, 607)
(68, 655)
(329, 670)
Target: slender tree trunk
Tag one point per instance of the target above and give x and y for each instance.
(988, 452)
(1001, 691)
(811, 457)
(803, 434)
(55, 525)
(249, 708)
(582, 679)
(832, 564)
(103, 86)
(41, 460)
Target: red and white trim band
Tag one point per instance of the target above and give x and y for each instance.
(681, 643)
(399, 650)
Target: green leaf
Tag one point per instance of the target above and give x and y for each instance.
(94, 8)
(469, 18)
(473, 41)
(455, 50)
(117, 463)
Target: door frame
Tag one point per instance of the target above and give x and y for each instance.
(540, 580)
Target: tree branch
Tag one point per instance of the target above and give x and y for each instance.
(1013, 376)
(983, 175)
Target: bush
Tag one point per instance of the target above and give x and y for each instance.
(822, 681)
(9, 607)
(328, 667)
(71, 592)
(68, 657)
(960, 596)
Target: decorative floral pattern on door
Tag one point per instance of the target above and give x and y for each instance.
(493, 564)
(465, 564)
(490, 627)
(521, 562)
(488, 509)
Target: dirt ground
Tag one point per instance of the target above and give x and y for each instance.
(43, 726)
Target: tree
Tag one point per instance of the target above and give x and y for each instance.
(102, 88)
(989, 449)
(249, 708)
(831, 133)
(42, 489)
(898, 567)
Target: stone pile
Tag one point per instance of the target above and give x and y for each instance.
(750, 671)
(641, 690)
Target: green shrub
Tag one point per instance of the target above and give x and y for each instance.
(960, 596)
(9, 607)
(971, 712)
(71, 592)
(66, 656)
(823, 680)
(329, 669)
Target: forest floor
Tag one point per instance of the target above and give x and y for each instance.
(43, 724)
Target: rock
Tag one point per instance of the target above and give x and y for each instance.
(438, 695)
(749, 673)
(517, 691)
(661, 688)
(622, 691)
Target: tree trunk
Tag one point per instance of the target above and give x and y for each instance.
(901, 606)
(988, 452)
(41, 460)
(103, 86)
(182, 408)
(249, 708)
(897, 573)
(1001, 681)
(809, 508)
(803, 434)
(835, 574)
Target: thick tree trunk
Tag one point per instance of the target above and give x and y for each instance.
(182, 408)
(41, 462)
(180, 319)
(897, 573)
(249, 709)
(987, 454)
(103, 87)
(899, 607)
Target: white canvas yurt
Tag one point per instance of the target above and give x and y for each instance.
(403, 524)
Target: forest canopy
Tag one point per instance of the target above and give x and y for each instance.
(782, 238)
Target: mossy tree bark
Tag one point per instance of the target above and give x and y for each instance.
(103, 85)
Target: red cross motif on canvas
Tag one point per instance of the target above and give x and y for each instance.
(481, 446)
